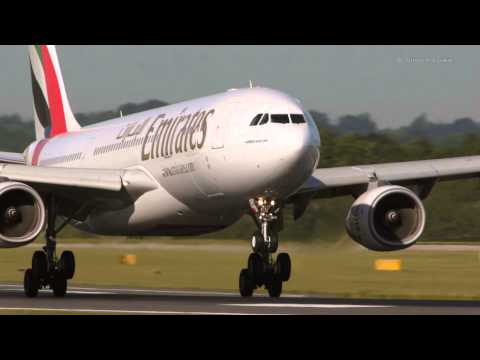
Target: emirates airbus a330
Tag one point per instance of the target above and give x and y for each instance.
(193, 168)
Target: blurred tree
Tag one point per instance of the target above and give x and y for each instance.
(420, 148)
(420, 127)
(327, 149)
(361, 124)
(464, 125)
(321, 120)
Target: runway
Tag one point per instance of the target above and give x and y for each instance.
(165, 302)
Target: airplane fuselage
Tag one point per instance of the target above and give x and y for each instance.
(204, 154)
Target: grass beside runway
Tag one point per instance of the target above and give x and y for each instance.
(347, 272)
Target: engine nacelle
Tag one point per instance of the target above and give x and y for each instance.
(22, 214)
(386, 218)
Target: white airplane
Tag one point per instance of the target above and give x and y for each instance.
(193, 168)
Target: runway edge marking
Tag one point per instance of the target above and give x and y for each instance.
(311, 306)
(132, 312)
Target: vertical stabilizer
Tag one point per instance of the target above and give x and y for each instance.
(52, 112)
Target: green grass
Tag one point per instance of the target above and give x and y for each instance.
(342, 272)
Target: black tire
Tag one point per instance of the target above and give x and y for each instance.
(59, 286)
(255, 268)
(258, 242)
(30, 284)
(275, 288)
(283, 267)
(273, 245)
(67, 264)
(246, 284)
(39, 265)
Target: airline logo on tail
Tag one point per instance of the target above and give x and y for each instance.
(52, 112)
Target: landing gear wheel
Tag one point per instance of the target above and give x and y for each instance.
(67, 264)
(246, 284)
(283, 267)
(258, 242)
(30, 284)
(275, 288)
(59, 286)
(39, 265)
(255, 268)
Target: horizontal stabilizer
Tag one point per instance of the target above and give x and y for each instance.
(11, 158)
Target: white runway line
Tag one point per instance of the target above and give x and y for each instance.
(311, 306)
(77, 291)
(180, 292)
(74, 292)
(113, 291)
(163, 292)
(89, 290)
(130, 312)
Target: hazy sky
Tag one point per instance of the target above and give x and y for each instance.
(393, 83)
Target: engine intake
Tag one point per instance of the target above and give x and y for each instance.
(387, 218)
(22, 214)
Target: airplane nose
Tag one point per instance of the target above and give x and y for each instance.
(297, 155)
(300, 155)
(298, 146)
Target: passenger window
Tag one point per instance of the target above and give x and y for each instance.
(264, 119)
(280, 119)
(297, 119)
(256, 120)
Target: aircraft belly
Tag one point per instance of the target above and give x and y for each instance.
(157, 213)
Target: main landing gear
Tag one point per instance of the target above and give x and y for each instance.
(262, 269)
(47, 269)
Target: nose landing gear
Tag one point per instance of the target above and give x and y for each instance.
(262, 269)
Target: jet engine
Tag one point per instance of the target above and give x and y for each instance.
(22, 214)
(386, 218)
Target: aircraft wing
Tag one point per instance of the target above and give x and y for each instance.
(96, 188)
(339, 181)
(11, 158)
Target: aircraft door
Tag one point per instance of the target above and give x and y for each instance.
(218, 142)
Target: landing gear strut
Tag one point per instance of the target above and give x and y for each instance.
(47, 269)
(262, 269)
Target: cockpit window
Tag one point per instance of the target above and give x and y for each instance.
(256, 120)
(264, 119)
(280, 119)
(297, 119)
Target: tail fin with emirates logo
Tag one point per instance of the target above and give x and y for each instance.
(52, 112)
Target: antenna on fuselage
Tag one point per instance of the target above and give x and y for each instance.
(251, 84)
